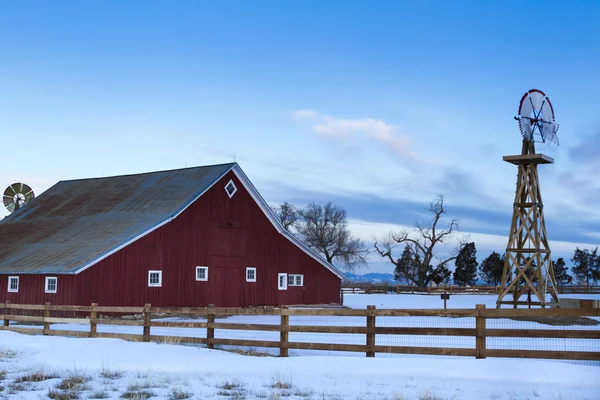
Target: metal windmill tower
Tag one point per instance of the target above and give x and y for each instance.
(528, 263)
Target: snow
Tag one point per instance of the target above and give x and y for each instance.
(201, 371)
(318, 375)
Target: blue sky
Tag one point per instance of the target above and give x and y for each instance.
(376, 106)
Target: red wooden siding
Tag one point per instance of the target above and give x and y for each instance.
(226, 235)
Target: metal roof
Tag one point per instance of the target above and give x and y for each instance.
(76, 223)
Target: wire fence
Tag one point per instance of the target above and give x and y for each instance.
(560, 334)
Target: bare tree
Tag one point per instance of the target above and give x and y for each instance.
(324, 229)
(426, 266)
(287, 214)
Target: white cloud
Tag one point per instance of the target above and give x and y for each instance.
(304, 114)
(375, 129)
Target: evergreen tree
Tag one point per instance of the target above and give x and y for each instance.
(403, 265)
(560, 273)
(491, 269)
(586, 266)
(440, 275)
(466, 265)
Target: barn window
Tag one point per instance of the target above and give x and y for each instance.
(295, 280)
(13, 284)
(154, 278)
(282, 281)
(250, 274)
(51, 284)
(201, 273)
(230, 188)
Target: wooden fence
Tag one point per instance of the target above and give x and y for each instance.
(366, 288)
(90, 315)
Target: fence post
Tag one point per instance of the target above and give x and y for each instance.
(341, 297)
(210, 331)
(46, 315)
(284, 336)
(370, 331)
(6, 320)
(93, 316)
(146, 333)
(479, 331)
(445, 296)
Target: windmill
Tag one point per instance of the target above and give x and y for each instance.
(528, 264)
(16, 195)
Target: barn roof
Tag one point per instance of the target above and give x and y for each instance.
(77, 223)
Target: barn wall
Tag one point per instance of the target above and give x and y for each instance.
(227, 235)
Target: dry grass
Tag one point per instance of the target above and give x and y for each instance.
(36, 377)
(73, 383)
(110, 374)
(178, 394)
(230, 385)
(3, 374)
(233, 389)
(56, 394)
(99, 394)
(135, 392)
(427, 395)
(170, 340)
(7, 354)
(281, 382)
(252, 352)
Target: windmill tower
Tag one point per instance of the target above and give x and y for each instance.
(528, 267)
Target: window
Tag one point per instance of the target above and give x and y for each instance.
(282, 281)
(154, 278)
(51, 284)
(295, 280)
(201, 273)
(13, 284)
(250, 274)
(230, 188)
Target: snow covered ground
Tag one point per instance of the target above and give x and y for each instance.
(116, 368)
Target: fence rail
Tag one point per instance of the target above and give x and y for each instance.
(368, 288)
(89, 316)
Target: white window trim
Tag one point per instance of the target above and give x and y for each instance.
(205, 279)
(55, 285)
(234, 188)
(294, 276)
(285, 281)
(13, 290)
(159, 284)
(250, 269)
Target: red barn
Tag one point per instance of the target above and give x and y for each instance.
(181, 238)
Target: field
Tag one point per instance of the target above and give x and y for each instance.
(113, 368)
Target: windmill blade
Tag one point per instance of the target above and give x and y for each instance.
(11, 190)
(536, 117)
(549, 131)
(17, 195)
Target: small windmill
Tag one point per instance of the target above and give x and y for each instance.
(16, 195)
(528, 264)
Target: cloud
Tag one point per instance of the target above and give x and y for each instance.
(374, 129)
(304, 114)
(587, 150)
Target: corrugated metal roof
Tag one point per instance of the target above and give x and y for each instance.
(74, 223)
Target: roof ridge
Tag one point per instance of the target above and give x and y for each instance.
(150, 172)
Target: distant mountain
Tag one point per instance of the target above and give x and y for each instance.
(372, 277)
